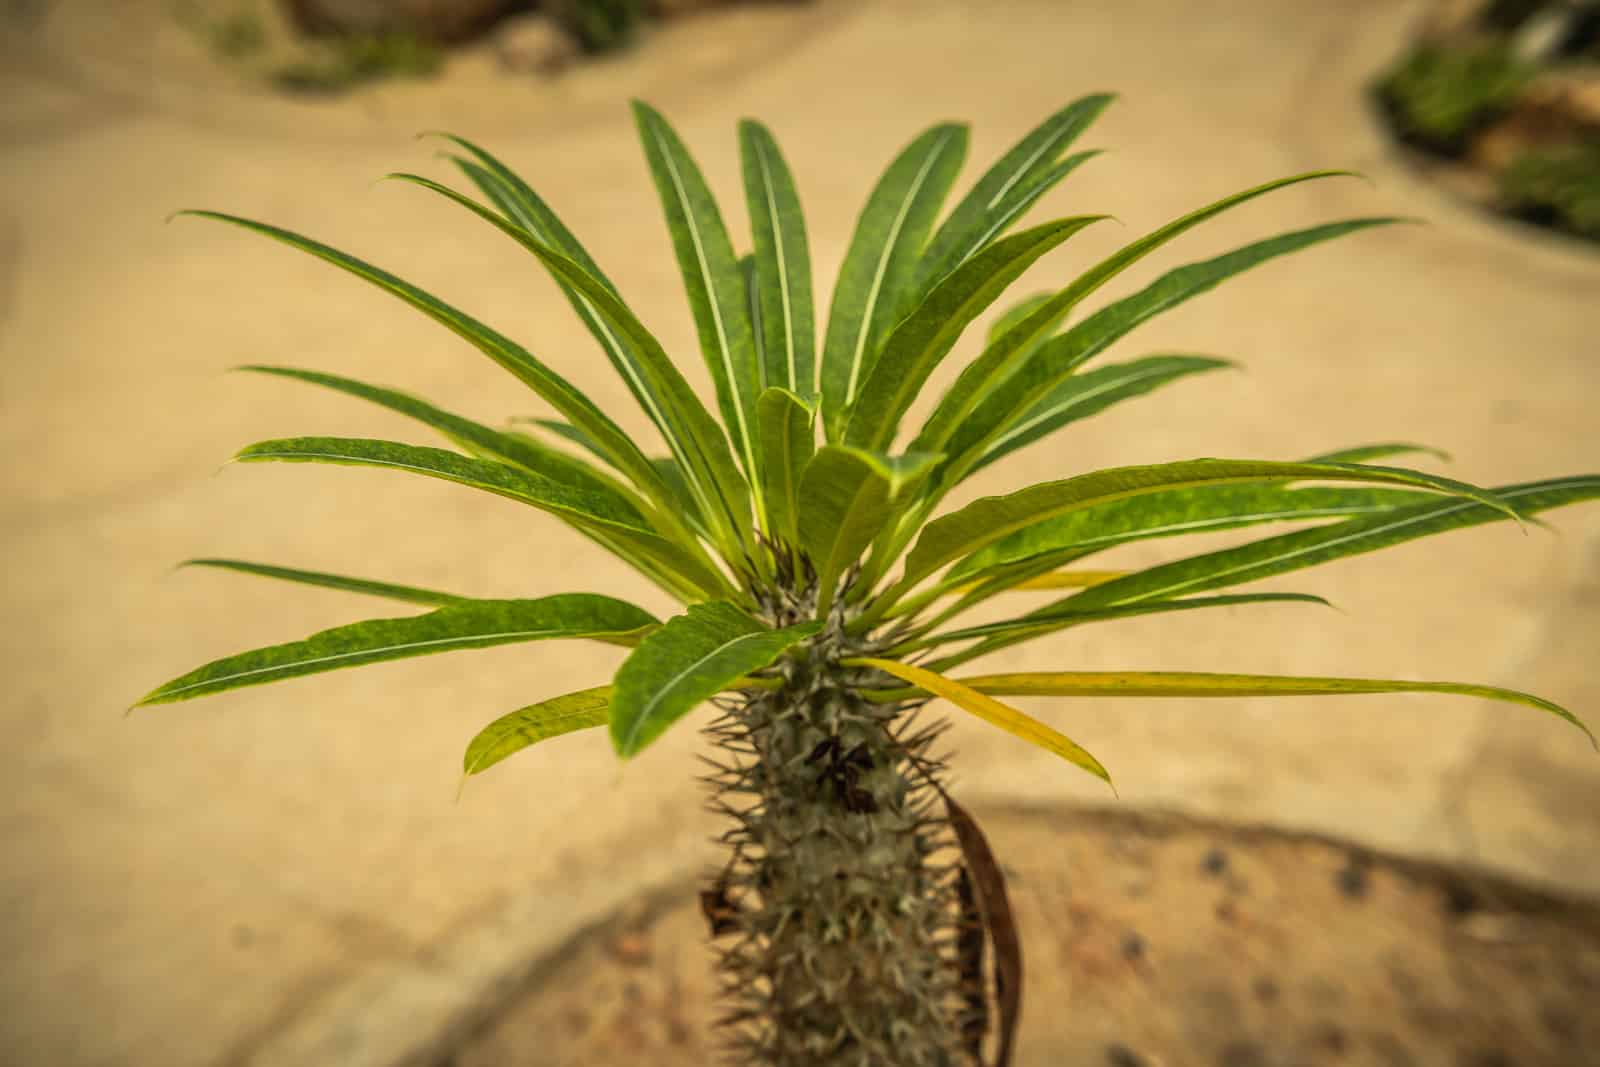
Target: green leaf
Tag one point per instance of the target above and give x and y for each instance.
(1306, 548)
(752, 303)
(514, 732)
(519, 203)
(672, 473)
(991, 711)
(987, 520)
(1015, 205)
(782, 264)
(788, 441)
(997, 635)
(1002, 194)
(1015, 314)
(998, 363)
(556, 391)
(925, 337)
(1173, 512)
(408, 593)
(522, 205)
(586, 510)
(846, 496)
(519, 450)
(1367, 453)
(500, 478)
(690, 659)
(878, 267)
(1058, 580)
(710, 275)
(1187, 684)
(1000, 407)
(692, 435)
(474, 624)
(1082, 395)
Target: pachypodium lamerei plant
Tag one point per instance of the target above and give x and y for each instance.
(860, 917)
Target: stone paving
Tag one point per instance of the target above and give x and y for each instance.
(279, 875)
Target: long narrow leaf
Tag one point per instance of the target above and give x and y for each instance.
(1188, 684)
(991, 711)
(408, 593)
(1006, 403)
(846, 496)
(788, 440)
(688, 660)
(782, 264)
(925, 337)
(668, 469)
(557, 391)
(1083, 395)
(543, 493)
(989, 519)
(1015, 314)
(522, 205)
(518, 450)
(998, 362)
(710, 276)
(1176, 512)
(582, 508)
(691, 433)
(475, 624)
(982, 213)
(1015, 205)
(997, 635)
(1058, 580)
(1367, 453)
(878, 266)
(1306, 548)
(752, 303)
(513, 732)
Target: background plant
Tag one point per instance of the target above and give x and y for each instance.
(820, 581)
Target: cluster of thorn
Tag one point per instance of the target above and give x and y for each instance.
(838, 930)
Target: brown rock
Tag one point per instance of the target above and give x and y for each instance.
(669, 8)
(1450, 17)
(533, 43)
(437, 20)
(1556, 108)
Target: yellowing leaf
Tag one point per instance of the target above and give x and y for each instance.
(1194, 684)
(991, 710)
(1053, 580)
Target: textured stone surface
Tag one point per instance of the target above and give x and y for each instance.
(443, 20)
(236, 879)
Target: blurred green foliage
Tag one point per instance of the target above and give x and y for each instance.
(1438, 95)
(1559, 186)
(351, 61)
(600, 25)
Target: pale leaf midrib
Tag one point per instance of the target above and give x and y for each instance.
(779, 253)
(666, 690)
(459, 639)
(712, 299)
(874, 290)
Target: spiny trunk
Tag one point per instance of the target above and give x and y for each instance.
(843, 934)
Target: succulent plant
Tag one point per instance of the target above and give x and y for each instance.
(861, 917)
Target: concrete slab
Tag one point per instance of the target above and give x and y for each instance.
(279, 875)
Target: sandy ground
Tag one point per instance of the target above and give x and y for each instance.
(1155, 942)
(279, 875)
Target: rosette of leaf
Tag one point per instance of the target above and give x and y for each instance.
(820, 579)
